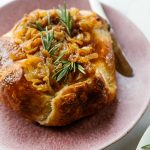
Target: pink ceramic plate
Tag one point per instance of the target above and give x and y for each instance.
(94, 132)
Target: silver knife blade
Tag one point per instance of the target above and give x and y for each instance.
(122, 64)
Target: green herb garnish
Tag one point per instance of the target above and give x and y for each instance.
(58, 60)
(55, 48)
(146, 147)
(37, 26)
(47, 39)
(66, 68)
(66, 18)
(63, 67)
(80, 68)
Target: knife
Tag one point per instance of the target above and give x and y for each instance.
(122, 64)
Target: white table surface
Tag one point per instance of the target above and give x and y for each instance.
(139, 12)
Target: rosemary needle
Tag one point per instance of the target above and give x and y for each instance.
(66, 68)
(47, 39)
(66, 18)
(54, 48)
(37, 26)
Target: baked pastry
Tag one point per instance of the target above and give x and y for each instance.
(57, 66)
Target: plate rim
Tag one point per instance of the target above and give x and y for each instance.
(148, 101)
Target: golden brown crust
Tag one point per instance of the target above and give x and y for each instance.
(76, 101)
(15, 91)
(68, 104)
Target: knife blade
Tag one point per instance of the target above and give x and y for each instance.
(122, 64)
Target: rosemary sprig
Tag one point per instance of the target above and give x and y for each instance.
(66, 68)
(55, 48)
(47, 42)
(58, 60)
(47, 39)
(66, 18)
(37, 26)
(146, 147)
